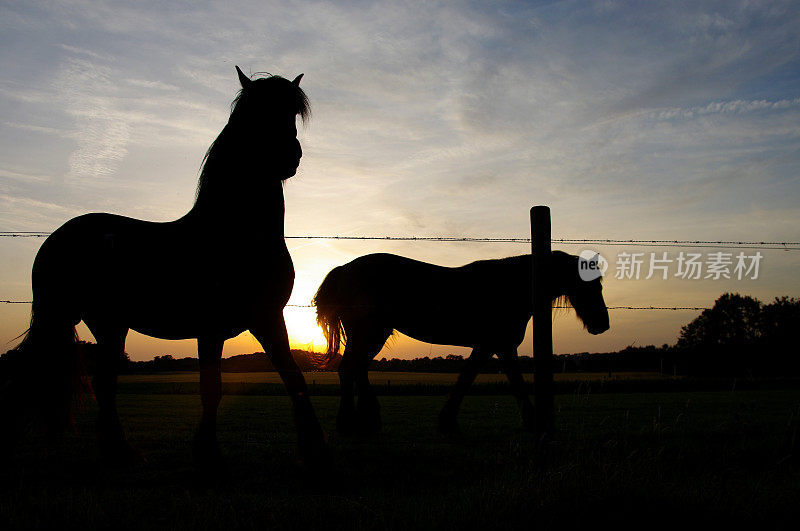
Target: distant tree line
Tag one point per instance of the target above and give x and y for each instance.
(256, 362)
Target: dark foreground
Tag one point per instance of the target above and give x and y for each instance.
(625, 460)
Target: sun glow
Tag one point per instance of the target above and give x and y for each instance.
(301, 320)
(303, 331)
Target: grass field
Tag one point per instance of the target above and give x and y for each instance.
(417, 383)
(652, 460)
(377, 378)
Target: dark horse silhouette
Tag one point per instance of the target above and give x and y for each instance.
(484, 305)
(181, 279)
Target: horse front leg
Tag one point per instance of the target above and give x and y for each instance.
(114, 446)
(346, 415)
(369, 409)
(448, 417)
(510, 361)
(310, 437)
(206, 448)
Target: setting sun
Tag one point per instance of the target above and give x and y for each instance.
(303, 330)
(301, 320)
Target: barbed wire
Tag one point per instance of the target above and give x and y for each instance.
(738, 244)
(567, 307)
(555, 307)
(25, 234)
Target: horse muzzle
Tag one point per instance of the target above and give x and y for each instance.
(597, 330)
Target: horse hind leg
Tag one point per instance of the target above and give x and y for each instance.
(346, 415)
(510, 362)
(368, 411)
(448, 417)
(363, 344)
(113, 443)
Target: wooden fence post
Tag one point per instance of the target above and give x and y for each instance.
(542, 322)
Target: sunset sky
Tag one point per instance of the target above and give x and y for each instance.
(631, 120)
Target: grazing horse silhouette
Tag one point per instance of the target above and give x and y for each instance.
(484, 305)
(183, 279)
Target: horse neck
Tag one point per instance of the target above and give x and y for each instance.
(259, 209)
(559, 271)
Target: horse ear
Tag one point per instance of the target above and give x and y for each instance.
(243, 79)
(296, 81)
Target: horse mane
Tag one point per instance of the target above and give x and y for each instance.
(564, 271)
(281, 92)
(564, 262)
(563, 265)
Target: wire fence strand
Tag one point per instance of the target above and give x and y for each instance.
(557, 307)
(738, 244)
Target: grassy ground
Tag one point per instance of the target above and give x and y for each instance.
(627, 460)
(417, 383)
(377, 378)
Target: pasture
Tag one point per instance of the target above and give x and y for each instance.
(626, 460)
(376, 378)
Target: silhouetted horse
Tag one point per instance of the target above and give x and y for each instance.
(484, 305)
(187, 278)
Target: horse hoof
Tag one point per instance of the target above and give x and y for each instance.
(449, 427)
(208, 458)
(121, 454)
(315, 454)
(207, 455)
(369, 429)
(346, 426)
(346, 430)
(368, 420)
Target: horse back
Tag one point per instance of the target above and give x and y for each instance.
(480, 303)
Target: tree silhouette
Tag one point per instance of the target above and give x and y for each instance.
(779, 325)
(735, 320)
(740, 335)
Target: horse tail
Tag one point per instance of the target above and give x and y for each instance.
(50, 352)
(329, 304)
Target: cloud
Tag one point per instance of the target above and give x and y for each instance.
(38, 129)
(727, 107)
(150, 84)
(23, 176)
(101, 136)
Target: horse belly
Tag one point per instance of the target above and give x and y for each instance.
(441, 326)
(455, 326)
(186, 293)
(222, 305)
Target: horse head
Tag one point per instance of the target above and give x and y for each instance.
(266, 109)
(585, 296)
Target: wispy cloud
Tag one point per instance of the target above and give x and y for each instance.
(38, 129)
(101, 136)
(728, 107)
(23, 176)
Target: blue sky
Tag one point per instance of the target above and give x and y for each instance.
(641, 120)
